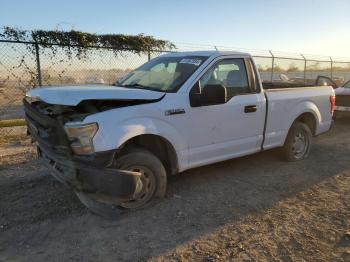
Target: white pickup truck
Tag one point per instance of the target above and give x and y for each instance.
(117, 144)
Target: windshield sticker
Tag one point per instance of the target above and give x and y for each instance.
(195, 62)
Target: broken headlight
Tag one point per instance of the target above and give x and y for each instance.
(81, 136)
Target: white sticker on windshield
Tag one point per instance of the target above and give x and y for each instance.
(191, 61)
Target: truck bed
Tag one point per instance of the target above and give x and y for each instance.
(285, 104)
(281, 84)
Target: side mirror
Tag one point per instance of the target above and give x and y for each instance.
(195, 96)
(210, 95)
(213, 95)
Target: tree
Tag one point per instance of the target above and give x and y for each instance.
(76, 44)
(292, 67)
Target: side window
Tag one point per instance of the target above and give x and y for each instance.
(230, 75)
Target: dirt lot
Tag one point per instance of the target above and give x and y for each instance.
(256, 208)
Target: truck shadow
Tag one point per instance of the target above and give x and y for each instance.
(198, 202)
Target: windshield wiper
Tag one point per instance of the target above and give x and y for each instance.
(135, 85)
(138, 86)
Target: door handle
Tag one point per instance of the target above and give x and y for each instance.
(250, 109)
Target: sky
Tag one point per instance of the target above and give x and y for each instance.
(320, 27)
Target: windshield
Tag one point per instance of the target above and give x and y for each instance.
(165, 74)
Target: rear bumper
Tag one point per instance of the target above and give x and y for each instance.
(89, 176)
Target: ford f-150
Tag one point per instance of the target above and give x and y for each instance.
(117, 144)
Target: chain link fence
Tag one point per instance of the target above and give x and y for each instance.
(22, 69)
(275, 65)
(24, 65)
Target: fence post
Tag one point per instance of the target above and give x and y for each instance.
(149, 54)
(273, 65)
(304, 68)
(331, 67)
(38, 64)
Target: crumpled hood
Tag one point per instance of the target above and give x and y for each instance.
(73, 95)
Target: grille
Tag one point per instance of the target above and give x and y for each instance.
(47, 131)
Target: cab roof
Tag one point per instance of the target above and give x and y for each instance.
(209, 53)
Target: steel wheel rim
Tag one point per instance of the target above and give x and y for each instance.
(145, 189)
(300, 144)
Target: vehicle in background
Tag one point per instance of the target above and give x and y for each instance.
(94, 80)
(68, 80)
(118, 144)
(338, 80)
(343, 98)
(284, 80)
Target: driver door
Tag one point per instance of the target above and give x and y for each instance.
(231, 125)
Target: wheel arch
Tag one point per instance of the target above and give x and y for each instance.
(309, 119)
(157, 145)
(308, 113)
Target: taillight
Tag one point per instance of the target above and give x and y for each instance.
(332, 101)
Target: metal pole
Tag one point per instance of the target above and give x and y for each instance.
(273, 65)
(38, 64)
(304, 68)
(331, 67)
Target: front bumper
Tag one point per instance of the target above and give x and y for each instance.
(84, 176)
(88, 174)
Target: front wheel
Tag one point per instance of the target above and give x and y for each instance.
(153, 181)
(298, 142)
(152, 184)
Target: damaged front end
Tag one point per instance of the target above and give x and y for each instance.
(72, 162)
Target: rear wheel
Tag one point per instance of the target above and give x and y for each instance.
(298, 142)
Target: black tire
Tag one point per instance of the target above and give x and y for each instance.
(298, 142)
(102, 209)
(154, 176)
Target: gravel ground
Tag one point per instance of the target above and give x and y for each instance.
(255, 208)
